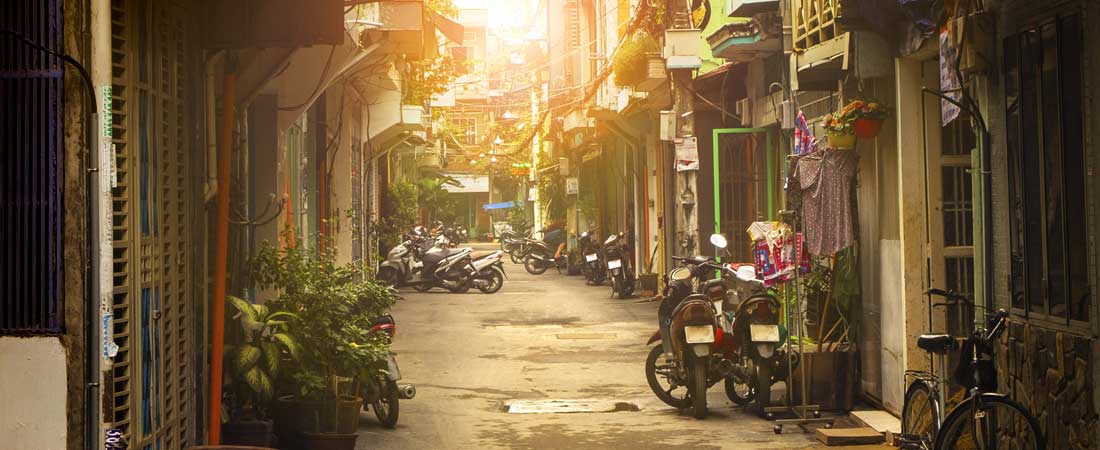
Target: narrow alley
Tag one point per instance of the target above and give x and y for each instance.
(543, 339)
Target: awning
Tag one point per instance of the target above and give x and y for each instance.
(452, 30)
(492, 206)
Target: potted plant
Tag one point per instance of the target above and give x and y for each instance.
(333, 306)
(253, 366)
(840, 132)
(632, 64)
(866, 117)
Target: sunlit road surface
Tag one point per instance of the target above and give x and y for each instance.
(546, 363)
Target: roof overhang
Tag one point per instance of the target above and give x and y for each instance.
(745, 8)
(743, 41)
(819, 67)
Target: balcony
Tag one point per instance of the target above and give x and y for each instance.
(814, 22)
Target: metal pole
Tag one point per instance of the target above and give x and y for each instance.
(221, 242)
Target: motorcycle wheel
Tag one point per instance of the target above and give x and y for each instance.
(739, 392)
(699, 388)
(388, 276)
(495, 281)
(516, 256)
(626, 289)
(763, 385)
(534, 266)
(386, 407)
(665, 395)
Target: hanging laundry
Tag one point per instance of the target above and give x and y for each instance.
(826, 181)
(804, 140)
(777, 252)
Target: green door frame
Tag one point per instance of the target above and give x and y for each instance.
(770, 157)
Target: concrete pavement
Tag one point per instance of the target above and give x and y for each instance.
(544, 338)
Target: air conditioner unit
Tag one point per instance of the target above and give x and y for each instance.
(743, 109)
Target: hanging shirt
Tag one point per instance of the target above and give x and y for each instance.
(826, 181)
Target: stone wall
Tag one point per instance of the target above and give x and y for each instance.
(1052, 373)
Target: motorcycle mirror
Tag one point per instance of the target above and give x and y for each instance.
(718, 240)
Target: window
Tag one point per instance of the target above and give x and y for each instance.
(465, 129)
(30, 173)
(1043, 91)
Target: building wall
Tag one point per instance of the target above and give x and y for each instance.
(1053, 370)
(33, 388)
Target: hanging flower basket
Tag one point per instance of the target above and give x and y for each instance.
(841, 139)
(867, 128)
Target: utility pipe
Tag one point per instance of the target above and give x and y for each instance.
(100, 308)
(221, 243)
(211, 76)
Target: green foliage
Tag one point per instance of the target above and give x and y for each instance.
(426, 78)
(630, 64)
(586, 206)
(254, 363)
(435, 200)
(400, 205)
(332, 306)
(517, 218)
(551, 185)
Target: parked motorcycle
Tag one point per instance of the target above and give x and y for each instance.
(756, 339)
(488, 271)
(701, 344)
(381, 393)
(620, 268)
(424, 266)
(540, 255)
(594, 270)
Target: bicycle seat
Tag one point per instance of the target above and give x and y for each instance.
(939, 344)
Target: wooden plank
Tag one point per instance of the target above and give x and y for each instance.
(848, 436)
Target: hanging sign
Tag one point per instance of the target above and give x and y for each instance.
(687, 154)
(572, 186)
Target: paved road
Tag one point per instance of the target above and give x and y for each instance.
(544, 337)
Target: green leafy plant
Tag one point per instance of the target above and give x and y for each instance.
(332, 306)
(254, 363)
(434, 199)
(426, 78)
(400, 207)
(630, 64)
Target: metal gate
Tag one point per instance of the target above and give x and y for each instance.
(743, 188)
(152, 383)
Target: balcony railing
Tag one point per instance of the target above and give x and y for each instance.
(814, 22)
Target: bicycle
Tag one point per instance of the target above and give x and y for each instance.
(985, 420)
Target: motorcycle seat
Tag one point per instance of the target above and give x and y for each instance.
(479, 255)
(939, 344)
(437, 255)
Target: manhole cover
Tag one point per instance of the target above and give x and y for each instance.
(567, 406)
(586, 336)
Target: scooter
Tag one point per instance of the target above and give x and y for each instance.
(381, 393)
(757, 338)
(488, 271)
(594, 270)
(424, 266)
(619, 267)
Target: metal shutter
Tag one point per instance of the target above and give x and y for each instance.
(152, 383)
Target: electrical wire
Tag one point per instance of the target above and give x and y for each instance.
(320, 82)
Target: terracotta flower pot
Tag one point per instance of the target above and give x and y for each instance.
(867, 128)
(838, 139)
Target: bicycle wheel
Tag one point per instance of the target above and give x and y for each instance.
(920, 417)
(999, 423)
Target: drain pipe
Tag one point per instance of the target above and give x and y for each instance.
(99, 310)
(221, 242)
(211, 76)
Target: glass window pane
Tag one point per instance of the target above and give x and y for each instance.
(1070, 41)
(958, 208)
(960, 278)
(1012, 141)
(1031, 173)
(1053, 170)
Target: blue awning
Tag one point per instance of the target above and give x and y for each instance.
(492, 206)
